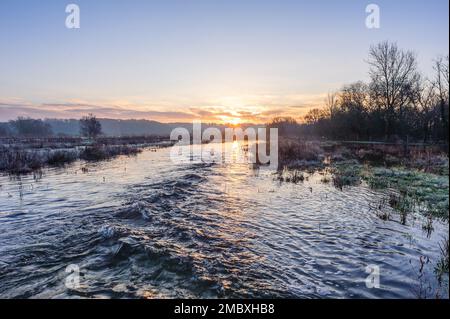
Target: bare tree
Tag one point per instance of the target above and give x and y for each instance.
(425, 102)
(397, 102)
(315, 115)
(286, 125)
(394, 76)
(354, 96)
(353, 101)
(441, 67)
(25, 126)
(3, 130)
(90, 126)
(331, 102)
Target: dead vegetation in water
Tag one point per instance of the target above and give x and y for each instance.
(424, 192)
(60, 157)
(403, 204)
(325, 179)
(382, 210)
(102, 152)
(345, 175)
(291, 176)
(442, 265)
(25, 155)
(426, 158)
(299, 154)
(17, 161)
(416, 177)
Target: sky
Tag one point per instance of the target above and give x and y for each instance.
(215, 60)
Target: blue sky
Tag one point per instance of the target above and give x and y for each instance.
(173, 60)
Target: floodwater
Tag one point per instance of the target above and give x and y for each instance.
(145, 227)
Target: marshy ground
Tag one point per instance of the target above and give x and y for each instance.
(29, 155)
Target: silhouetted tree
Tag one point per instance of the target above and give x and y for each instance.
(90, 126)
(442, 84)
(394, 77)
(30, 127)
(4, 130)
(287, 126)
(397, 101)
(426, 100)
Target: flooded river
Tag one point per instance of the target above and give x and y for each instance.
(144, 227)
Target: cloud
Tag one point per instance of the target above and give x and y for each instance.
(254, 109)
(10, 111)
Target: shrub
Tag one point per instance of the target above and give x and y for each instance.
(100, 152)
(61, 157)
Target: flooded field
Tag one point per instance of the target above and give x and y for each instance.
(144, 227)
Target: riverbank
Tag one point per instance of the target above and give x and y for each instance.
(28, 155)
(415, 178)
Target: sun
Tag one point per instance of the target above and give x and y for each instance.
(235, 121)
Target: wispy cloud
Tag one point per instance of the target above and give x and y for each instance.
(254, 109)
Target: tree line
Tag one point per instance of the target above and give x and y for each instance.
(89, 127)
(398, 103)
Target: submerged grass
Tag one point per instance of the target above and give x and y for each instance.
(59, 158)
(402, 203)
(442, 265)
(416, 182)
(408, 190)
(291, 176)
(16, 161)
(346, 175)
(429, 192)
(28, 155)
(102, 152)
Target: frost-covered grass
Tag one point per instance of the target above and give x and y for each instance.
(27, 155)
(317, 154)
(416, 179)
(429, 191)
(17, 160)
